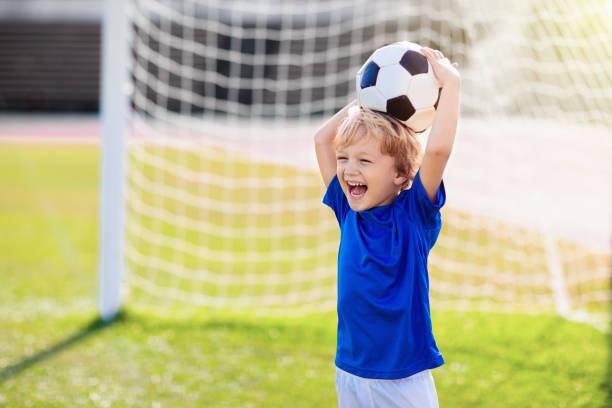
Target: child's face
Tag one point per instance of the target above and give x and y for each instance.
(367, 176)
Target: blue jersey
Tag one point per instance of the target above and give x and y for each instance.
(384, 323)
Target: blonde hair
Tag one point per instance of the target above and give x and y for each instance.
(396, 139)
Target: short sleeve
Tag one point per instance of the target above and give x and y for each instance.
(421, 207)
(336, 200)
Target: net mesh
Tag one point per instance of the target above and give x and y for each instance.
(224, 198)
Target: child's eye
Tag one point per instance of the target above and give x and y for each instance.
(340, 158)
(365, 161)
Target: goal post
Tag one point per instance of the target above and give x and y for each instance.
(211, 195)
(114, 119)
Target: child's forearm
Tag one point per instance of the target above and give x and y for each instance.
(327, 132)
(324, 144)
(444, 127)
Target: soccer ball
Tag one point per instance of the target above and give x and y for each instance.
(397, 79)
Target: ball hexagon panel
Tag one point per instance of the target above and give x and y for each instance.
(393, 80)
(414, 62)
(423, 91)
(369, 75)
(391, 54)
(400, 107)
(372, 98)
(421, 119)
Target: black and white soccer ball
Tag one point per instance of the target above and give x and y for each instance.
(397, 79)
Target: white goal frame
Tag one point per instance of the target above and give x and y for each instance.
(182, 82)
(114, 112)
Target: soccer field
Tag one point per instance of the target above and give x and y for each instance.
(53, 351)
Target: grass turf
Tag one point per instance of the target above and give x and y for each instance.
(53, 351)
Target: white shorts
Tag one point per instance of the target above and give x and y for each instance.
(416, 391)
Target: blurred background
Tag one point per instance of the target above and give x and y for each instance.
(51, 56)
(228, 256)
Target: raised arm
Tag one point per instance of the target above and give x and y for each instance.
(442, 134)
(324, 144)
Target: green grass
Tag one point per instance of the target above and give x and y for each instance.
(54, 353)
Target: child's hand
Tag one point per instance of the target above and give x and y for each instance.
(445, 72)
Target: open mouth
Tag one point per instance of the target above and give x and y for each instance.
(356, 190)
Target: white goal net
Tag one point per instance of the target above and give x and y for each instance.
(224, 197)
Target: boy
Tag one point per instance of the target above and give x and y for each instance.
(385, 344)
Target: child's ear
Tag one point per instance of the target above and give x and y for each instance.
(399, 179)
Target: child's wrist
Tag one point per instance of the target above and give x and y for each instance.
(454, 83)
